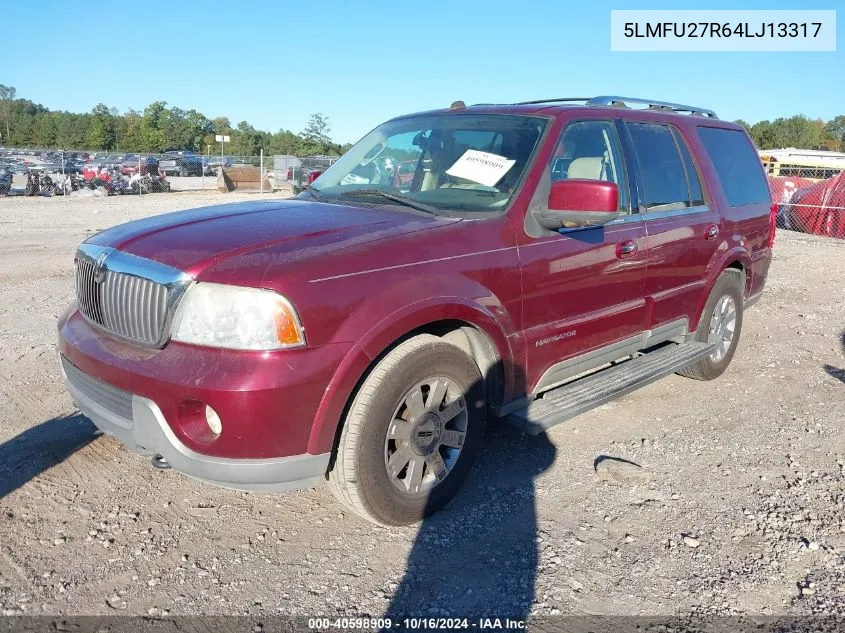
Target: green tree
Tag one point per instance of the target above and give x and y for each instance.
(196, 126)
(799, 131)
(317, 130)
(796, 131)
(45, 133)
(130, 131)
(246, 140)
(118, 126)
(158, 128)
(835, 129)
(152, 129)
(102, 132)
(7, 96)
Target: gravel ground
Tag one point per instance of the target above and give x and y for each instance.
(738, 508)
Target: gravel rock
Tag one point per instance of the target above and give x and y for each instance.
(691, 541)
(529, 519)
(621, 472)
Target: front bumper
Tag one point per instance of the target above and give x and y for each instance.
(139, 423)
(268, 401)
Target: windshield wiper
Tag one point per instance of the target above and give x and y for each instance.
(313, 191)
(408, 202)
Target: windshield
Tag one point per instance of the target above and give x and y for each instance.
(464, 162)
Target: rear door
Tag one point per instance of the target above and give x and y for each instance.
(683, 227)
(746, 199)
(582, 288)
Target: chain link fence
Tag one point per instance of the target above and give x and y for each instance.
(809, 199)
(51, 172)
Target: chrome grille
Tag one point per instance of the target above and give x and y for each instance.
(127, 295)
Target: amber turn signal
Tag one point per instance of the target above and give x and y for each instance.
(288, 331)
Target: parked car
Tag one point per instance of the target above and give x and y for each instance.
(14, 165)
(6, 175)
(212, 163)
(101, 166)
(182, 163)
(301, 175)
(363, 335)
(108, 160)
(70, 165)
(132, 164)
(307, 171)
(405, 174)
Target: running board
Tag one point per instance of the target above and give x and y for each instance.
(565, 402)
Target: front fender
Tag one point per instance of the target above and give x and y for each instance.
(381, 336)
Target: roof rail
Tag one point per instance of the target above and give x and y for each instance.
(622, 102)
(560, 100)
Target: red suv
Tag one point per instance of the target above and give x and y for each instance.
(544, 258)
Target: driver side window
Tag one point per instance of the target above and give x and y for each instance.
(590, 150)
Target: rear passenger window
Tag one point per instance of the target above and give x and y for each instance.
(663, 175)
(737, 164)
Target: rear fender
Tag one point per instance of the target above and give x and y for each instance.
(724, 258)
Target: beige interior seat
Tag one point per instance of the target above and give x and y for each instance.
(588, 167)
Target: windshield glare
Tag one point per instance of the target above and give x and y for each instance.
(463, 162)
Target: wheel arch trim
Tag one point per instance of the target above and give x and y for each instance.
(736, 258)
(384, 336)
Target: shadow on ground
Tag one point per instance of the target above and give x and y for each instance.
(41, 447)
(836, 372)
(479, 556)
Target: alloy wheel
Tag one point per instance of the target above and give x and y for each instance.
(426, 435)
(722, 327)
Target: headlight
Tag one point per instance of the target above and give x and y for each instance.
(233, 317)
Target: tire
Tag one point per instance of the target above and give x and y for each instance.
(360, 478)
(728, 292)
(183, 171)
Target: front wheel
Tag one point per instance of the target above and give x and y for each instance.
(412, 433)
(720, 324)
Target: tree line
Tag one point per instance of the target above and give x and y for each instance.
(799, 132)
(158, 128)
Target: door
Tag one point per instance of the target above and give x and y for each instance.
(683, 230)
(582, 288)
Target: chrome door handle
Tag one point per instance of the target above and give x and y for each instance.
(628, 247)
(712, 232)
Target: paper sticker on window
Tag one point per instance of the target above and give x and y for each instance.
(481, 167)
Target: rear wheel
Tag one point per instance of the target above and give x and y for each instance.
(411, 434)
(720, 324)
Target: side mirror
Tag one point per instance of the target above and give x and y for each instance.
(580, 202)
(314, 174)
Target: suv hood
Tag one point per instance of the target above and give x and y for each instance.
(199, 241)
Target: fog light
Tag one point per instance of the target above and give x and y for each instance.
(213, 420)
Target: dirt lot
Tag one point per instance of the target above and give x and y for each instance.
(745, 511)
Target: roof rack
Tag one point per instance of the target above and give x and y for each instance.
(622, 102)
(561, 100)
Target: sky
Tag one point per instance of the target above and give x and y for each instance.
(362, 62)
